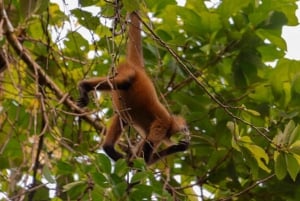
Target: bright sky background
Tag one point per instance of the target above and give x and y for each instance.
(290, 34)
(292, 37)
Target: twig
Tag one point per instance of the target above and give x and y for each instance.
(15, 197)
(248, 188)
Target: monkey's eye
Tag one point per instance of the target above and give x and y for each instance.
(185, 130)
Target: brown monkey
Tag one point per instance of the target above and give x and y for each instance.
(136, 103)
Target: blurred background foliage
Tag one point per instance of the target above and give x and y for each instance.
(221, 64)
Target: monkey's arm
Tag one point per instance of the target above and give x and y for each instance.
(121, 81)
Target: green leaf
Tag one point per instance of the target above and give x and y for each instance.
(279, 139)
(211, 23)
(262, 94)
(288, 8)
(274, 37)
(139, 164)
(159, 5)
(57, 16)
(76, 44)
(100, 179)
(56, 199)
(286, 137)
(121, 167)
(270, 52)
(86, 18)
(295, 135)
(119, 189)
(252, 112)
(191, 20)
(280, 165)
(47, 174)
(131, 5)
(296, 84)
(295, 147)
(234, 129)
(230, 7)
(285, 72)
(287, 93)
(290, 137)
(289, 128)
(104, 163)
(293, 166)
(65, 168)
(260, 156)
(196, 5)
(85, 3)
(141, 192)
(246, 139)
(139, 176)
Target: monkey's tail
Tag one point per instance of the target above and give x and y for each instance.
(134, 43)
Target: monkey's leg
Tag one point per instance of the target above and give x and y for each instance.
(157, 134)
(112, 137)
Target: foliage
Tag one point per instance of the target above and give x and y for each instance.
(222, 66)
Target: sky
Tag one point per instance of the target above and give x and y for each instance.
(290, 34)
(292, 37)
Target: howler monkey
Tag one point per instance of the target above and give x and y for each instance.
(136, 104)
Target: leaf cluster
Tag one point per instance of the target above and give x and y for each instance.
(221, 65)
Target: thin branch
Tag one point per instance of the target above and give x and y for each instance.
(17, 197)
(248, 188)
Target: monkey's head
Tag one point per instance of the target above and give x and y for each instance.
(179, 125)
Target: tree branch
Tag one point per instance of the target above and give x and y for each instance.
(248, 188)
(34, 66)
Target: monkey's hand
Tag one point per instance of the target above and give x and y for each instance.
(83, 101)
(84, 97)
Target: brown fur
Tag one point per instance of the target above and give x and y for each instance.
(136, 103)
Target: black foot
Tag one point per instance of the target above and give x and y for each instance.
(182, 145)
(112, 153)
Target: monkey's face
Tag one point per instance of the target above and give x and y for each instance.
(179, 125)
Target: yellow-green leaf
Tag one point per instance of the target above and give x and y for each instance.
(246, 139)
(260, 156)
(295, 135)
(293, 166)
(280, 165)
(289, 128)
(252, 112)
(295, 147)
